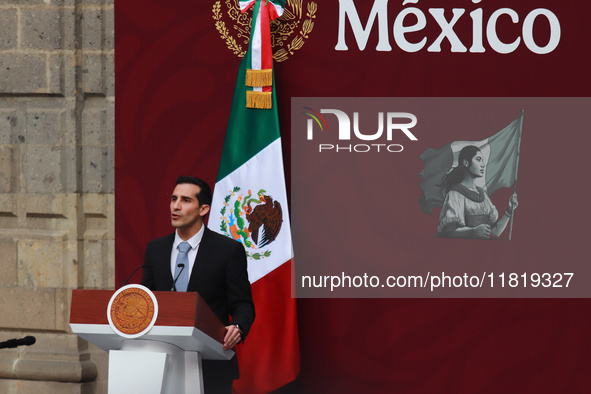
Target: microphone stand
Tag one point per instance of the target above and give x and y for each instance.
(132, 274)
(182, 267)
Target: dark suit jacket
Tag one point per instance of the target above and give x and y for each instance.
(219, 276)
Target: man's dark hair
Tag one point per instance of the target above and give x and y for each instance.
(204, 195)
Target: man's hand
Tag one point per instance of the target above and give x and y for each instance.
(232, 338)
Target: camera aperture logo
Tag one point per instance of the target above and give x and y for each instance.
(351, 138)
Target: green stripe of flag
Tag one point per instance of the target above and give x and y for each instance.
(244, 138)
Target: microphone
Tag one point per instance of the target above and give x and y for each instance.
(182, 267)
(26, 341)
(132, 274)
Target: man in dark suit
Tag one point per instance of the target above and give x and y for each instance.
(214, 266)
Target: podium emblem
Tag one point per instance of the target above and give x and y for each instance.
(132, 311)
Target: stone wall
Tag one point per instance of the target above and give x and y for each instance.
(56, 186)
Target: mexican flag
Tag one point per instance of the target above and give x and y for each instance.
(250, 205)
(500, 153)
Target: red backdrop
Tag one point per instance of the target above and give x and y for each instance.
(175, 78)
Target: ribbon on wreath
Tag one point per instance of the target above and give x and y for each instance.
(259, 57)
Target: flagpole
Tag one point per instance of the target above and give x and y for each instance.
(516, 170)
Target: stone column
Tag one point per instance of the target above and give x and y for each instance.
(56, 186)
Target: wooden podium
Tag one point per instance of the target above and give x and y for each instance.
(165, 358)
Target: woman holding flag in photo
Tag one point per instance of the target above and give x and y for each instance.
(467, 211)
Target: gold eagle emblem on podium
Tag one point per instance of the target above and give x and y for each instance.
(132, 310)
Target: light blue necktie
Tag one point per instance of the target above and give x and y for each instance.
(183, 280)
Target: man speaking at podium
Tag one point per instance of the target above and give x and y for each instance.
(195, 258)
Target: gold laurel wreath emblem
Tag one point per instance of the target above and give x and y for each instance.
(288, 33)
(132, 311)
